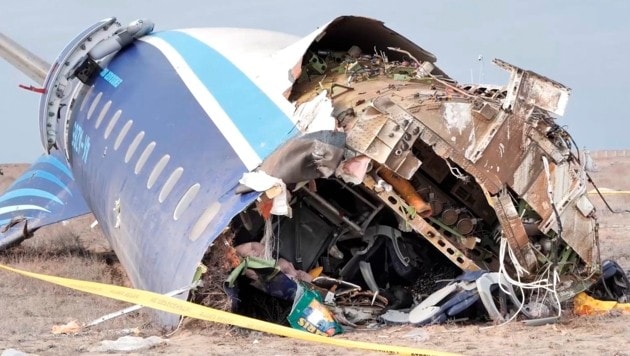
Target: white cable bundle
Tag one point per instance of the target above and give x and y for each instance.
(542, 284)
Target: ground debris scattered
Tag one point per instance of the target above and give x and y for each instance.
(14, 352)
(129, 343)
(72, 327)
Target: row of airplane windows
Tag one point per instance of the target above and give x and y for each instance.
(186, 199)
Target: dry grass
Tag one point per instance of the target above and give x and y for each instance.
(31, 307)
(220, 260)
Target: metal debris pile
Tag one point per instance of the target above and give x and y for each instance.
(413, 199)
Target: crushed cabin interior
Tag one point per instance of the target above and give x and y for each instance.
(452, 171)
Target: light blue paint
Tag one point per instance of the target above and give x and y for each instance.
(256, 116)
(14, 208)
(38, 173)
(30, 192)
(80, 142)
(55, 162)
(111, 77)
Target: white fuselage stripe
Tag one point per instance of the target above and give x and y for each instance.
(210, 105)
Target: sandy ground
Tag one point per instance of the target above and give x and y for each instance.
(29, 308)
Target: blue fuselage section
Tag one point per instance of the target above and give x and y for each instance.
(156, 171)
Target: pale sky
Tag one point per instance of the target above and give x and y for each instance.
(582, 44)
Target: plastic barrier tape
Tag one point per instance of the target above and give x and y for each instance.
(177, 306)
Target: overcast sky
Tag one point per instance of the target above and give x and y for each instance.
(582, 44)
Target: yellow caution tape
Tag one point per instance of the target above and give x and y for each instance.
(608, 191)
(177, 306)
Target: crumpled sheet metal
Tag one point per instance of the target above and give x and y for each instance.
(497, 140)
(514, 230)
(387, 136)
(310, 156)
(508, 149)
(542, 92)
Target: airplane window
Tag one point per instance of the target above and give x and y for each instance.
(87, 95)
(93, 106)
(122, 134)
(204, 220)
(157, 170)
(101, 116)
(185, 201)
(144, 156)
(134, 145)
(170, 183)
(112, 123)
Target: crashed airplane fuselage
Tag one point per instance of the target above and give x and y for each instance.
(371, 155)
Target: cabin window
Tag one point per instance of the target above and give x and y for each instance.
(185, 201)
(112, 123)
(170, 183)
(134, 145)
(157, 170)
(122, 134)
(204, 220)
(84, 101)
(144, 157)
(101, 116)
(94, 104)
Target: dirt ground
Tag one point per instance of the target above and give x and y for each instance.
(30, 308)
